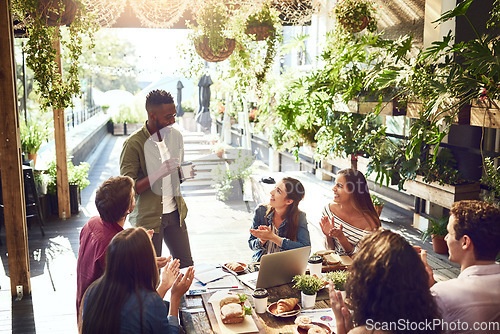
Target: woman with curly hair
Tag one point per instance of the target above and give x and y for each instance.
(386, 291)
(280, 225)
(351, 215)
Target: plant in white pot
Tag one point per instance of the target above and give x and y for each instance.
(309, 287)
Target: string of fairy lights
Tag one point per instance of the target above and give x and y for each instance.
(165, 13)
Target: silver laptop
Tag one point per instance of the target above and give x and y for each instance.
(278, 268)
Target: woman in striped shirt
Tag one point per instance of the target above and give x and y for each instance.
(351, 216)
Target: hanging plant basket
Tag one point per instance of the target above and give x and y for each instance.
(356, 27)
(261, 32)
(204, 51)
(57, 12)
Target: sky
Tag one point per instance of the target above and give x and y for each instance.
(157, 50)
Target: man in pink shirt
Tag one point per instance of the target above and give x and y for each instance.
(114, 200)
(470, 303)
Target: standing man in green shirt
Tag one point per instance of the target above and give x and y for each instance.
(151, 156)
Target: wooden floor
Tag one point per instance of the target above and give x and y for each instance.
(218, 233)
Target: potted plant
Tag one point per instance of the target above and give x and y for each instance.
(262, 22)
(219, 148)
(210, 35)
(77, 178)
(491, 179)
(128, 119)
(33, 133)
(377, 203)
(43, 19)
(356, 15)
(338, 277)
(437, 231)
(229, 177)
(309, 287)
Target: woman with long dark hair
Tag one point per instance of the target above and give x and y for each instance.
(125, 299)
(280, 225)
(386, 290)
(351, 215)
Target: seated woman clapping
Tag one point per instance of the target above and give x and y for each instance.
(280, 225)
(351, 216)
(386, 290)
(125, 299)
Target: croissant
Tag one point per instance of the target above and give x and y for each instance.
(285, 305)
(235, 266)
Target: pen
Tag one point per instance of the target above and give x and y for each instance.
(223, 287)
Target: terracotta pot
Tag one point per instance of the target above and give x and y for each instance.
(358, 27)
(57, 12)
(260, 32)
(439, 244)
(379, 208)
(220, 153)
(204, 51)
(32, 157)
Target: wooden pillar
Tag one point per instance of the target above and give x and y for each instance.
(60, 143)
(10, 161)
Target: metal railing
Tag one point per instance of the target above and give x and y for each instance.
(75, 117)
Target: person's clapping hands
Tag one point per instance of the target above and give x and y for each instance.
(170, 273)
(162, 261)
(326, 225)
(264, 233)
(182, 283)
(342, 315)
(168, 276)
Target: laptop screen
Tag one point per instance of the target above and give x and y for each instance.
(279, 268)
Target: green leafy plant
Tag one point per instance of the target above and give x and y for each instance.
(436, 227)
(212, 23)
(34, 133)
(352, 14)
(491, 179)
(264, 15)
(308, 284)
(77, 175)
(129, 114)
(239, 170)
(338, 277)
(376, 200)
(55, 90)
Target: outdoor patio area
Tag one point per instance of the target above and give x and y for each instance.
(218, 233)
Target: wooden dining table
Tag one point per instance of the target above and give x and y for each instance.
(197, 317)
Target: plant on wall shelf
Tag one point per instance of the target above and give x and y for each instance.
(43, 20)
(356, 15)
(491, 179)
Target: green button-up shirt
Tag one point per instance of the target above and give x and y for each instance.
(149, 205)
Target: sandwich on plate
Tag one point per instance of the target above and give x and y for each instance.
(232, 309)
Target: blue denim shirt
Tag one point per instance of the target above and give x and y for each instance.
(260, 218)
(154, 311)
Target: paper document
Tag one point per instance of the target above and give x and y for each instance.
(208, 273)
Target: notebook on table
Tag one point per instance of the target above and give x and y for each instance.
(278, 268)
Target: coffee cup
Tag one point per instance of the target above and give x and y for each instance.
(260, 300)
(186, 170)
(314, 264)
